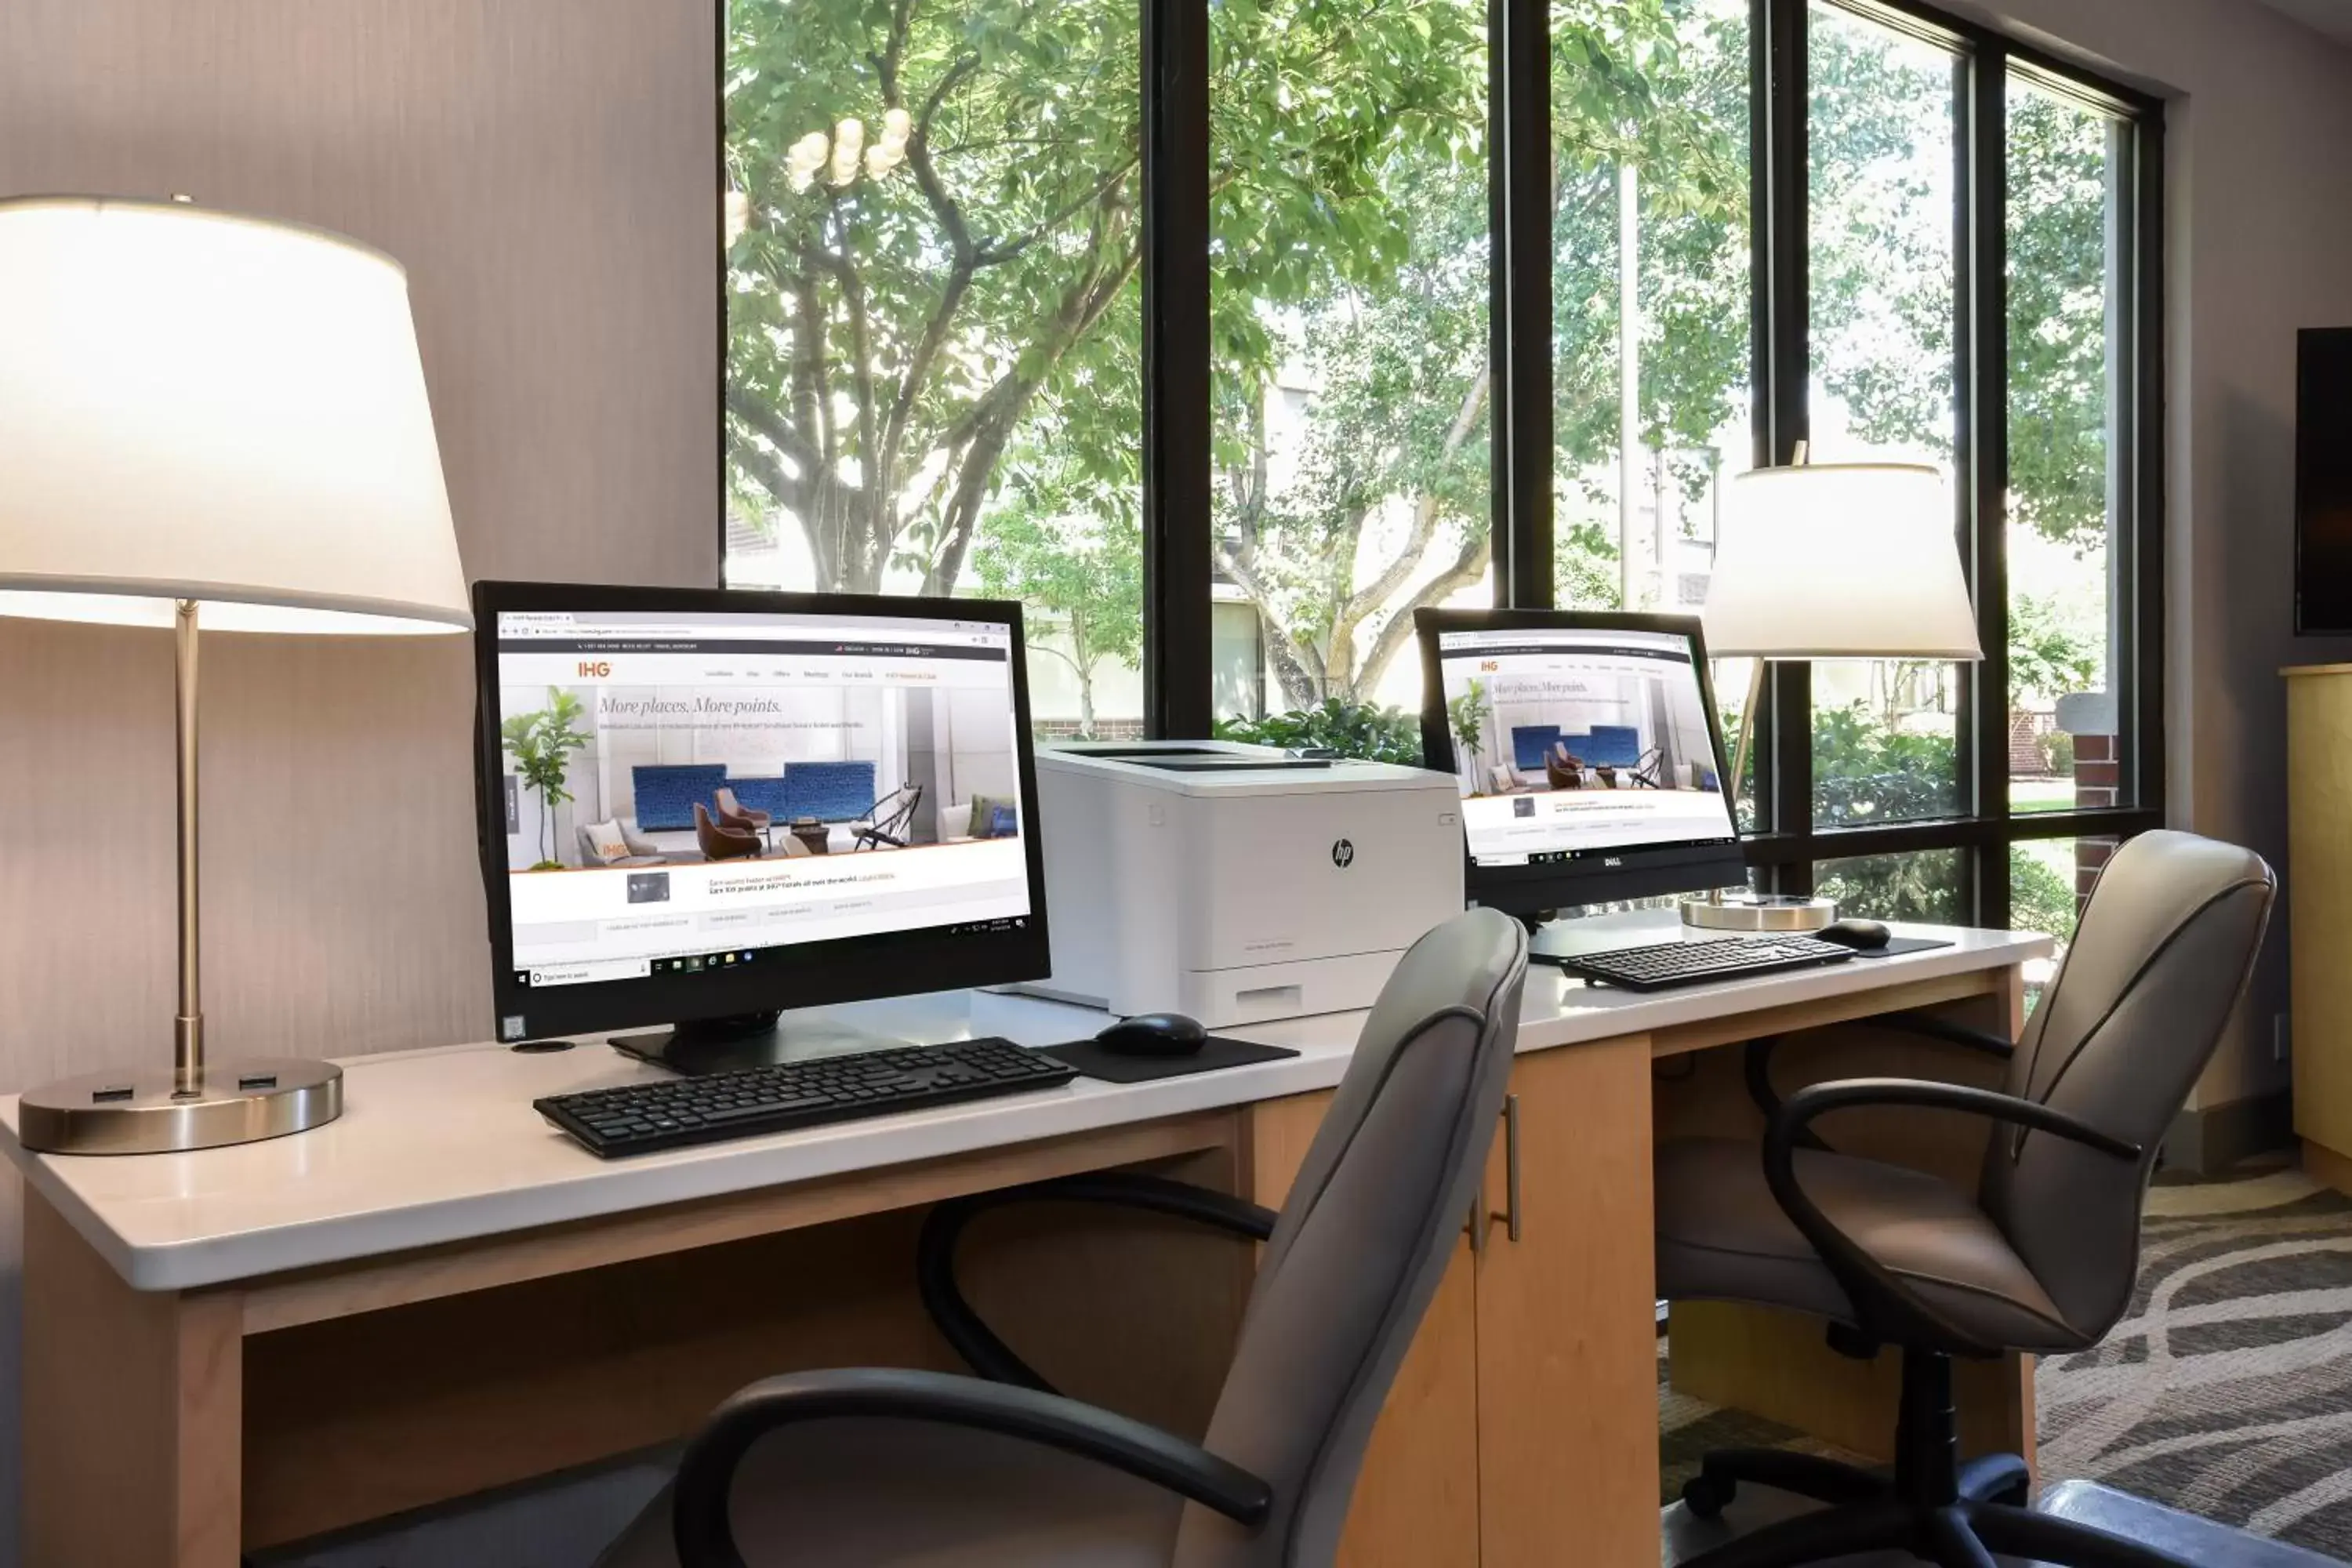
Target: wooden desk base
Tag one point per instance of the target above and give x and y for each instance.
(174, 1430)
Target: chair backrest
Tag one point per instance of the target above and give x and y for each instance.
(2163, 953)
(1370, 1225)
(718, 841)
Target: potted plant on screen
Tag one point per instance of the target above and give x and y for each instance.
(541, 744)
(1468, 714)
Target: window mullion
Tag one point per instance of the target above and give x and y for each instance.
(1176, 389)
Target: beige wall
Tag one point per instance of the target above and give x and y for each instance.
(2259, 191)
(546, 169)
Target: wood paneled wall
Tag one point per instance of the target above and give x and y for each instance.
(547, 170)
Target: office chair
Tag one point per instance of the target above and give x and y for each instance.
(722, 840)
(2041, 1257)
(879, 827)
(733, 813)
(863, 1469)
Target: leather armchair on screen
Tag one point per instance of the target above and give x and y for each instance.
(2040, 1258)
(733, 813)
(1563, 769)
(860, 1468)
(720, 841)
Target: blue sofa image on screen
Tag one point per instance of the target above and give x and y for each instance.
(830, 792)
(1528, 744)
(1608, 746)
(668, 793)
(759, 794)
(1604, 746)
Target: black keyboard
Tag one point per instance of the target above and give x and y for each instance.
(1671, 963)
(639, 1118)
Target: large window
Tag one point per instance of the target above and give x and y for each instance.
(934, 385)
(1223, 333)
(1348, 284)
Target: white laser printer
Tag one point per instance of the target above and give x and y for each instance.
(1236, 883)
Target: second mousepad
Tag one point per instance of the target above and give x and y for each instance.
(1215, 1052)
(1896, 946)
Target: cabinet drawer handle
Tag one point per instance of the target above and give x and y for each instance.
(1476, 1228)
(1510, 1216)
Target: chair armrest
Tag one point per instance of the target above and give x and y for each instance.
(935, 1251)
(1757, 1060)
(1888, 1308)
(699, 1514)
(1936, 1026)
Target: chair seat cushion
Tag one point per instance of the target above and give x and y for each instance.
(1722, 1236)
(909, 1494)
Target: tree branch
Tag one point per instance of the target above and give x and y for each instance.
(918, 158)
(787, 491)
(1003, 251)
(1425, 519)
(748, 406)
(919, 363)
(1468, 566)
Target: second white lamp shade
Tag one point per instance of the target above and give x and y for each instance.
(199, 405)
(1839, 561)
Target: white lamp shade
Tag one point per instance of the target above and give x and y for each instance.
(199, 405)
(1839, 561)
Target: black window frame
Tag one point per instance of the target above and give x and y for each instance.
(1787, 847)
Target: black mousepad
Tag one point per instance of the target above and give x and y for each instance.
(1215, 1052)
(1896, 946)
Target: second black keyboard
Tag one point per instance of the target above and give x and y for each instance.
(1670, 963)
(640, 1118)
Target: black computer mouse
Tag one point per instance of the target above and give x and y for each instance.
(1153, 1035)
(1863, 936)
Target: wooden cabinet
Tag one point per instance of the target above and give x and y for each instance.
(1502, 1445)
(2319, 901)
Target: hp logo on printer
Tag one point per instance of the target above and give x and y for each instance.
(1343, 854)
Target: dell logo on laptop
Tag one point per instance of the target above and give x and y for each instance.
(1612, 860)
(1343, 854)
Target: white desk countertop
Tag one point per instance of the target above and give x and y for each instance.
(442, 1145)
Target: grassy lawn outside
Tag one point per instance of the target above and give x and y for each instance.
(2040, 795)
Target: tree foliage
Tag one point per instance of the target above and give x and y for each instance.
(935, 320)
(892, 320)
(1083, 573)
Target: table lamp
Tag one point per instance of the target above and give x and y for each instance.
(201, 412)
(1835, 561)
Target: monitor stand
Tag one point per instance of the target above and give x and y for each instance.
(702, 1045)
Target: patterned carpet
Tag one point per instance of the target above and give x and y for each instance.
(2226, 1391)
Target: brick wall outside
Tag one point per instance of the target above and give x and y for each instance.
(2098, 780)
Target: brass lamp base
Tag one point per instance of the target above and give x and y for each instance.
(143, 1113)
(1758, 912)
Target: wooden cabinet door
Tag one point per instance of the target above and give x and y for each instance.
(1567, 1327)
(1416, 1503)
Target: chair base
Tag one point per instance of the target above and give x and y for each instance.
(1932, 1507)
(1960, 1534)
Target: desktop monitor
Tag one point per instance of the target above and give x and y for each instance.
(702, 807)
(1588, 752)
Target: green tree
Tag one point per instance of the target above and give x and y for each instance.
(1395, 351)
(1084, 573)
(2047, 656)
(940, 210)
(2058, 204)
(541, 744)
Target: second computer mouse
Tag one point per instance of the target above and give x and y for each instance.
(1863, 936)
(1153, 1035)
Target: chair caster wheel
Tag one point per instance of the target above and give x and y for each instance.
(1706, 1496)
(2019, 1496)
